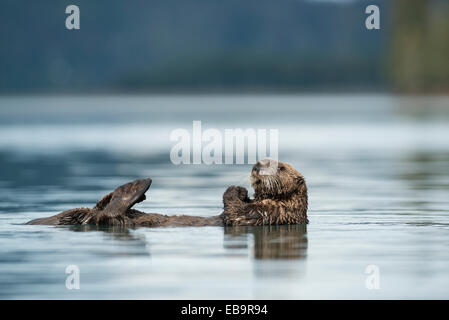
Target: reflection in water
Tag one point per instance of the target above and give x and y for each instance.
(133, 244)
(423, 108)
(118, 232)
(288, 242)
(426, 170)
(269, 242)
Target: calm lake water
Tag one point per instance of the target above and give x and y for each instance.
(377, 168)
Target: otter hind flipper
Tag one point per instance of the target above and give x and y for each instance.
(111, 209)
(123, 198)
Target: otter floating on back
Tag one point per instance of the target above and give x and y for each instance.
(280, 198)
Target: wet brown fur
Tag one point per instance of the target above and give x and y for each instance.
(280, 198)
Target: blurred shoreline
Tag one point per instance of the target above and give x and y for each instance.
(224, 93)
(177, 47)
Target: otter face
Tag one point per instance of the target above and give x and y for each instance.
(273, 178)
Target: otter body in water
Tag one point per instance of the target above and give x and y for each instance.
(280, 198)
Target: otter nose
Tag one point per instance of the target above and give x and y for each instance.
(261, 166)
(262, 163)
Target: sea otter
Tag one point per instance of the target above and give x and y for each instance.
(280, 198)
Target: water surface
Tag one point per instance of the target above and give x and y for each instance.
(377, 168)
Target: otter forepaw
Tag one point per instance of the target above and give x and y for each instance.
(235, 192)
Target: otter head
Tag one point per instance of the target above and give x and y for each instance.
(273, 179)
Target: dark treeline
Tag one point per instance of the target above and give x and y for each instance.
(419, 54)
(165, 45)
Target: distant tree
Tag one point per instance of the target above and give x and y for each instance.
(419, 57)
